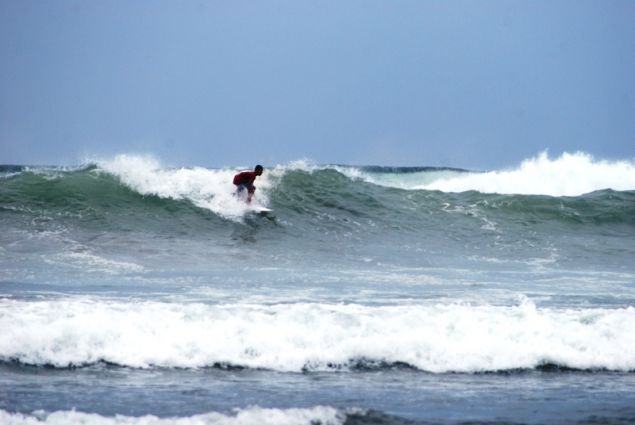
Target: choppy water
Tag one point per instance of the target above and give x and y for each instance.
(135, 293)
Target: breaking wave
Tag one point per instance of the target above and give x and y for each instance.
(315, 336)
(322, 415)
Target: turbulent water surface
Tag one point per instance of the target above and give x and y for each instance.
(133, 293)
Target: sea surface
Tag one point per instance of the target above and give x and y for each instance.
(136, 293)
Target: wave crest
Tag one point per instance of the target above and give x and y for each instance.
(205, 188)
(568, 175)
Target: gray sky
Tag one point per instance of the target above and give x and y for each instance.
(476, 84)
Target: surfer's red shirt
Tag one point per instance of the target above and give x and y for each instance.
(246, 178)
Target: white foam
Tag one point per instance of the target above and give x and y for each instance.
(323, 415)
(314, 336)
(568, 175)
(205, 188)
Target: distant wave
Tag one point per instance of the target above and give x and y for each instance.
(313, 336)
(568, 175)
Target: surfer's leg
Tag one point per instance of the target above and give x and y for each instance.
(240, 191)
(250, 192)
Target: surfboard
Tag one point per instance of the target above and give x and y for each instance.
(259, 210)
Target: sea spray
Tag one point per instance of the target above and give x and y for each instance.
(205, 188)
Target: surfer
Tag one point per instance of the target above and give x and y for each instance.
(245, 180)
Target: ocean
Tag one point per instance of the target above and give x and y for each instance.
(136, 293)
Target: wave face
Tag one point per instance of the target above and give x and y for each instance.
(315, 337)
(586, 190)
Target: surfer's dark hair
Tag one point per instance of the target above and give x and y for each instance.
(258, 167)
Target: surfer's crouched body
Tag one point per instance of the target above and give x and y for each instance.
(245, 180)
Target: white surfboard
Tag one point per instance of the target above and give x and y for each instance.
(259, 209)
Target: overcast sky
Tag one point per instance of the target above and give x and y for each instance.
(475, 84)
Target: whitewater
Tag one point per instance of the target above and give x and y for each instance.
(132, 292)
